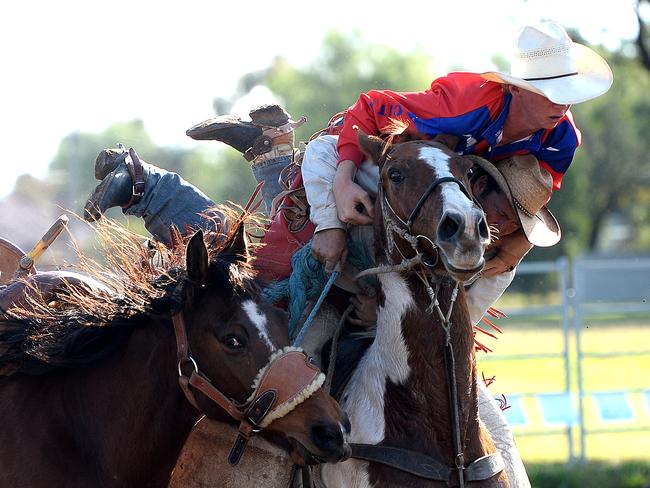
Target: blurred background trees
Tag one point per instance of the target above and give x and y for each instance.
(604, 205)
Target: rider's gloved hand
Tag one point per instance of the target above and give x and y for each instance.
(329, 246)
(351, 199)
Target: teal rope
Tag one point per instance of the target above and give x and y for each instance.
(308, 280)
(314, 311)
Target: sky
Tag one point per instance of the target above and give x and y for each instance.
(83, 65)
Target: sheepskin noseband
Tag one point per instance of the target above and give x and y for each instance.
(292, 378)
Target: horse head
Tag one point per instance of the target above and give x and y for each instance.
(426, 206)
(240, 342)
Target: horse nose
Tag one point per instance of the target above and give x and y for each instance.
(451, 226)
(328, 437)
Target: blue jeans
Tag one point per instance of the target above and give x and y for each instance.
(169, 200)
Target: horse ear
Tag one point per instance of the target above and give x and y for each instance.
(448, 140)
(238, 244)
(372, 146)
(197, 260)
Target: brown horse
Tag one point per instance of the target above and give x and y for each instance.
(413, 399)
(94, 396)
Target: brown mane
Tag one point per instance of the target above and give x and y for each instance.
(78, 325)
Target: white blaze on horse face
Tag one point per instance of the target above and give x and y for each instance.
(363, 399)
(452, 196)
(258, 319)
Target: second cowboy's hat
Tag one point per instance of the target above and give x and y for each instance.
(546, 61)
(529, 187)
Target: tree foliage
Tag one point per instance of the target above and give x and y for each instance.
(345, 67)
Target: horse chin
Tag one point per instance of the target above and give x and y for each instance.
(464, 273)
(304, 456)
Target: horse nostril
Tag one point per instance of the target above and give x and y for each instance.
(451, 224)
(327, 436)
(483, 229)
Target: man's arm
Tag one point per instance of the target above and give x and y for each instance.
(350, 198)
(497, 274)
(511, 250)
(484, 292)
(329, 244)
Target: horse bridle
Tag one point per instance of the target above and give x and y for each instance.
(287, 380)
(404, 228)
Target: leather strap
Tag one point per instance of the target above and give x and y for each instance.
(412, 462)
(261, 145)
(261, 406)
(485, 467)
(434, 184)
(199, 382)
(195, 379)
(136, 171)
(424, 466)
(237, 449)
(254, 415)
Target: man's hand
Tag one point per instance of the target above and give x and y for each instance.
(329, 246)
(365, 311)
(511, 250)
(350, 197)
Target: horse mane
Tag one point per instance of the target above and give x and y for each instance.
(79, 325)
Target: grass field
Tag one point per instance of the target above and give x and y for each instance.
(540, 441)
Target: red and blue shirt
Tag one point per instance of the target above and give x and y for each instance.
(467, 106)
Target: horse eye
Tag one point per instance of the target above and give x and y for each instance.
(395, 175)
(232, 342)
(470, 173)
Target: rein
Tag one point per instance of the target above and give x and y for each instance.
(286, 381)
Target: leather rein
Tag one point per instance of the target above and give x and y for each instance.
(414, 462)
(287, 380)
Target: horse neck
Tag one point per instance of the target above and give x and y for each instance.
(144, 414)
(412, 340)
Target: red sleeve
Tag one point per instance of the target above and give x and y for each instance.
(441, 108)
(370, 114)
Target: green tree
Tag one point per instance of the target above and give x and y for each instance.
(346, 66)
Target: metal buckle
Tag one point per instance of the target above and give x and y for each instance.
(189, 359)
(134, 189)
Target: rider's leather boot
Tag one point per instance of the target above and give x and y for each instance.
(269, 134)
(114, 168)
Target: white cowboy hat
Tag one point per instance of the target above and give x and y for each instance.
(546, 61)
(529, 188)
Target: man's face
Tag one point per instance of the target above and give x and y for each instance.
(537, 110)
(498, 210)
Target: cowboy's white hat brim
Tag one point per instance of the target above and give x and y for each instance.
(593, 78)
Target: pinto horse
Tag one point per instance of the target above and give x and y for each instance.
(413, 398)
(94, 396)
